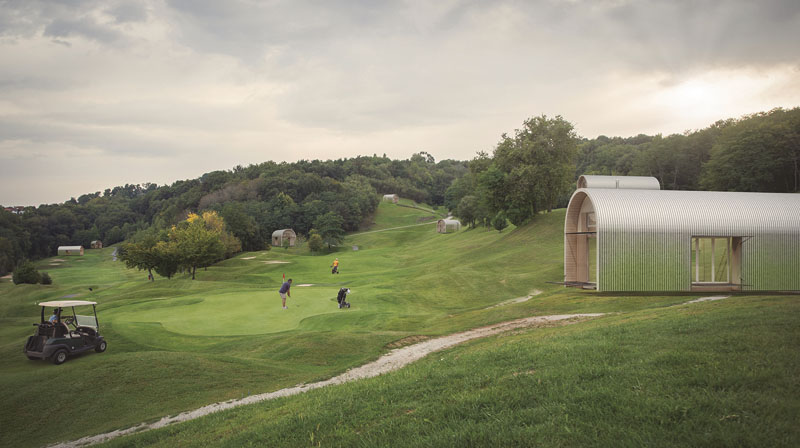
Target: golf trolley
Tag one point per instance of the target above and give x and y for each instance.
(342, 298)
(65, 335)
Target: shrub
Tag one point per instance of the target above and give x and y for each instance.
(26, 273)
(46, 280)
(499, 222)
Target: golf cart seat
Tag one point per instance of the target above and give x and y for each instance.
(61, 330)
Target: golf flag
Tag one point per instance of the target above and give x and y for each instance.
(284, 276)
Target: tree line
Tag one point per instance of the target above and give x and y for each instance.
(253, 201)
(536, 168)
(532, 170)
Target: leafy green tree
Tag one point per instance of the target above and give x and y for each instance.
(46, 279)
(26, 272)
(315, 243)
(499, 222)
(538, 163)
(468, 210)
(758, 153)
(197, 245)
(330, 229)
(168, 258)
(140, 255)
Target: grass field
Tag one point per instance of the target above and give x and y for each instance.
(652, 374)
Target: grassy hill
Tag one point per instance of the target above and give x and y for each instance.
(178, 344)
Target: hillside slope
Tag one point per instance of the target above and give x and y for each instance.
(178, 344)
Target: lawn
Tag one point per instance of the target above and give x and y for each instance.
(179, 344)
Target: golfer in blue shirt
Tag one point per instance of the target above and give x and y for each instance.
(284, 291)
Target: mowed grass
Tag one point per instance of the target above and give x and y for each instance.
(710, 374)
(179, 344)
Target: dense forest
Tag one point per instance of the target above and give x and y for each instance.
(531, 171)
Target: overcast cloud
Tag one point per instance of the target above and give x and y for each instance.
(95, 94)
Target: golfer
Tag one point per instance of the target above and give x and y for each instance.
(335, 266)
(284, 291)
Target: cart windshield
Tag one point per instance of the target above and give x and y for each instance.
(86, 321)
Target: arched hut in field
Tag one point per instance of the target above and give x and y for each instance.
(96, 244)
(283, 235)
(623, 235)
(448, 225)
(70, 250)
(393, 198)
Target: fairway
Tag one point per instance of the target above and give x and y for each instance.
(176, 345)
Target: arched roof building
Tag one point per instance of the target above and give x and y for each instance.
(448, 225)
(279, 236)
(654, 240)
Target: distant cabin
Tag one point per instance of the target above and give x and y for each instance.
(448, 226)
(97, 244)
(391, 198)
(279, 236)
(70, 250)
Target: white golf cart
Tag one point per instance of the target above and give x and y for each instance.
(64, 335)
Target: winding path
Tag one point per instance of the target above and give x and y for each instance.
(393, 360)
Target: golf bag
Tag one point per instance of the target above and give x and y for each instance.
(335, 270)
(342, 298)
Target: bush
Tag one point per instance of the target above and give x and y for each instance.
(499, 222)
(315, 243)
(26, 273)
(46, 280)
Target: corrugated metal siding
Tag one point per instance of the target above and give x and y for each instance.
(644, 236)
(622, 182)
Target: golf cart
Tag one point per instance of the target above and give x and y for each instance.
(64, 334)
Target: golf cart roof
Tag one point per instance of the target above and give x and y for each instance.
(63, 303)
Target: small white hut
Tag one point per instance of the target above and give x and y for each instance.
(96, 244)
(279, 236)
(70, 250)
(448, 226)
(391, 198)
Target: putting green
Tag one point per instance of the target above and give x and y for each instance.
(232, 313)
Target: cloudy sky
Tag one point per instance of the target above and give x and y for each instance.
(99, 93)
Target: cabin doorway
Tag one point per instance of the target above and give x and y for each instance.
(716, 263)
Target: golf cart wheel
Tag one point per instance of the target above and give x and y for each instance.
(59, 357)
(101, 347)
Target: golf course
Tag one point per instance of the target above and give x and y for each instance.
(648, 370)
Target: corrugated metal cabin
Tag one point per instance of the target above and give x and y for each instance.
(448, 226)
(70, 250)
(279, 236)
(393, 198)
(626, 238)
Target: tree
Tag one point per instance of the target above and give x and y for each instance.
(758, 153)
(141, 255)
(315, 243)
(168, 258)
(330, 229)
(197, 245)
(538, 163)
(499, 222)
(26, 273)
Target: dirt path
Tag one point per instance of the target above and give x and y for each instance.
(535, 292)
(393, 360)
(395, 228)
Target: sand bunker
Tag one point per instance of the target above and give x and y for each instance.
(306, 284)
(247, 258)
(58, 259)
(274, 262)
